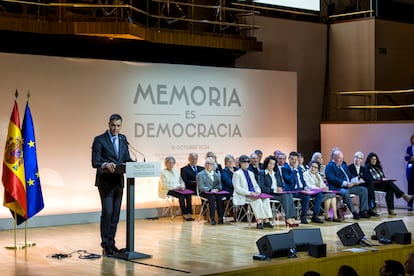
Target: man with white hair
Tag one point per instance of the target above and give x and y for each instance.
(339, 178)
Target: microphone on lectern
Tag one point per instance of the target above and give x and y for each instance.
(134, 150)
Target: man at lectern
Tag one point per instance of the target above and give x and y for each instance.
(110, 150)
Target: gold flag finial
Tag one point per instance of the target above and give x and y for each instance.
(28, 94)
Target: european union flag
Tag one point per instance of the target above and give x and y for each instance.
(34, 195)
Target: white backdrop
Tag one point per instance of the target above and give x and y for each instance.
(167, 110)
(388, 140)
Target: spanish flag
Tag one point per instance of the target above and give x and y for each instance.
(13, 169)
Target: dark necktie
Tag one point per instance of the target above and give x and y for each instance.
(195, 169)
(116, 145)
(249, 180)
(298, 182)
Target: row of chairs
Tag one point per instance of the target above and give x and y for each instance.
(245, 212)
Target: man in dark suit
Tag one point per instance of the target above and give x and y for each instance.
(339, 178)
(294, 181)
(254, 165)
(109, 150)
(188, 174)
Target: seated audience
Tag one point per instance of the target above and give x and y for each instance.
(311, 273)
(409, 264)
(293, 178)
(301, 160)
(246, 190)
(392, 268)
(254, 165)
(270, 185)
(208, 184)
(280, 163)
(227, 173)
(188, 173)
(218, 167)
(339, 178)
(357, 171)
(373, 173)
(314, 181)
(346, 270)
(260, 155)
(317, 156)
(170, 180)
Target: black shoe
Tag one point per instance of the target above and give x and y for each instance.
(315, 219)
(115, 249)
(221, 221)
(213, 222)
(107, 251)
(303, 220)
(260, 226)
(373, 213)
(355, 215)
(364, 214)
(268, 225)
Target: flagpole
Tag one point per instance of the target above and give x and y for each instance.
(29, 165)
(15, 227)
(26, 243)
(15, 246)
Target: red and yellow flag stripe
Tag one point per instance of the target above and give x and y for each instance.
(13, 168)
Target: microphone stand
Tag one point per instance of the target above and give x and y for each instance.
(133, 150)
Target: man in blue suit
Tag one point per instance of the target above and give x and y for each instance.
(109, 150)
(294, 181)
(339, 178)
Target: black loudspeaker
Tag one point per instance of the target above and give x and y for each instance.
(317, 250)
(403, 238)
(303, 237)
(276, 245)
(388, 229)
(351, 234)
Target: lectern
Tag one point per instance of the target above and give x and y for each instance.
(135, 170)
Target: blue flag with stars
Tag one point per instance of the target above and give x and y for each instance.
(34, 196)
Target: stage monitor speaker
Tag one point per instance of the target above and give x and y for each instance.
(403, 238)
(276, 245)
(303, 237)
(317, 250)
(351, 234)
(388, 229)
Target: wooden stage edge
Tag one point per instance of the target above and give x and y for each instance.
(179, 247)
(365, 263)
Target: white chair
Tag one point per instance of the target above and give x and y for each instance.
(227, 207)
(170, 208)
(204, 205)
(243, 211)
(298, 204)
(277, 209)
(380, 200)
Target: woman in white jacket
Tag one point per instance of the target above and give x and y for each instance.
(246, 190)
(170, 183)
(314, 181)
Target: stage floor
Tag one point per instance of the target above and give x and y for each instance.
(178, 247)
